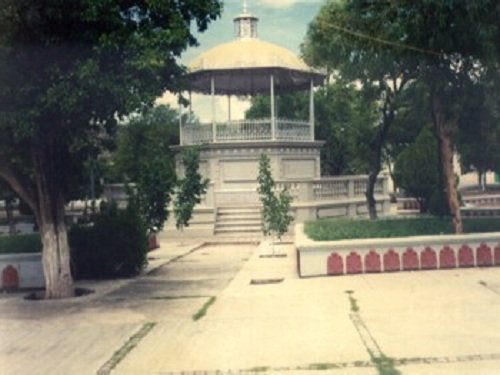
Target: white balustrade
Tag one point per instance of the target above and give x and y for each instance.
(329, 189)
(246, 130)
(293, 130)
(196, 134)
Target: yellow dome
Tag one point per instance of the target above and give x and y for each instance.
(245, 53)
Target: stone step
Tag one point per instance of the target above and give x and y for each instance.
(238, 217)
(237, 210)
(239, 229)
(238, 223)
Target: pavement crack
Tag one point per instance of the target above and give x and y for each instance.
(384, 364)
(126, 348)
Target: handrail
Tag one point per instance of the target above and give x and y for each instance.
(247, 130)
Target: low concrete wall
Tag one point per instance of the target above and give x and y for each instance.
(21, 271)
(319, 258)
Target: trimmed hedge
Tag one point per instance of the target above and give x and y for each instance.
(342, 229)
(115, 245)
(20, 244)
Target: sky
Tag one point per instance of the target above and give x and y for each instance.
(283, 22)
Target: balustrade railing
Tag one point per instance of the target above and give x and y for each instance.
(293, 130)
(328, 189)
(331, 188)
(196, 134)
(247, 130)
(244, 130)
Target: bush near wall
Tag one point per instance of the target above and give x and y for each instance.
(341, 229)
(115, 245)
(20, 244)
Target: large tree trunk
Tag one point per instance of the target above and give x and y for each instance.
(370, 189)
(376, 160)
(50, 215)
(56, 254)
(443, 129)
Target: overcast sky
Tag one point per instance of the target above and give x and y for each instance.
(283, 22)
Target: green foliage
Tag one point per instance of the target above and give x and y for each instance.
(276, 217)
(68, 71)
(479, 127)
(190, 189)
(115, 245)
(203, 310)
(143, 156)
(416, 169)
(341, 229)
(22, 243)
(343, 119)
(90, 62)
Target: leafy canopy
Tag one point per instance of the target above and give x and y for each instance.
(70, 69)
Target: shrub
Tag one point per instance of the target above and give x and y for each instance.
(416, 171)
(24, 243)
(346, 228)
(115, 245)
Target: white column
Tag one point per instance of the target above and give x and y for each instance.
(181, 138)
(229, 108)
(311, 109)
(212, 90)
(273, 115)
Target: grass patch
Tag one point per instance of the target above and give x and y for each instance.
(121, 353)
(385, 365)
(341, 229)
(20, 244)
(203, 311)
(322, 366)
(259, 369)
(175, 297)
(353, 301)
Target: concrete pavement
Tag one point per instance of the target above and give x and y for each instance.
(264, 320)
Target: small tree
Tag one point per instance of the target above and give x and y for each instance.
(276, 217)
(190, 189)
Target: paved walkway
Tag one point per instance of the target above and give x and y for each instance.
(259, 318)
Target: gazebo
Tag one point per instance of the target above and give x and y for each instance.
(230, 149)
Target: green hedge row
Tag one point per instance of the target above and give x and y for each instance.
(341, 229)
(20, 244)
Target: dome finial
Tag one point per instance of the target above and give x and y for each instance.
(245, 24)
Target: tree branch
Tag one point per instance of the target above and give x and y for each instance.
(15, 181)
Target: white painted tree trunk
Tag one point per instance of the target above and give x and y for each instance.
(56, 261)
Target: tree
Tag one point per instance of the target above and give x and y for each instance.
(143, 157)
(451, 59)
(276, 217)
(341, 118)
(190, 188)
(433, 42)
(416, 169)
(333, 42)
(68, 71)
(479, 130)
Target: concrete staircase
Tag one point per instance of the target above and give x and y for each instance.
(236, 221)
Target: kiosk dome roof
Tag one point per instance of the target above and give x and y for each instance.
(243, 66)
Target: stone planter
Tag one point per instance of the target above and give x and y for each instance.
(321, 258)
(21, 271)
(152, 242)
